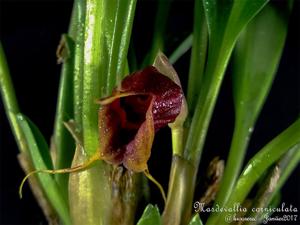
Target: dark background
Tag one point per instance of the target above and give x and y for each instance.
(30, 32)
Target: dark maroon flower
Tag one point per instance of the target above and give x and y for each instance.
(128, 119)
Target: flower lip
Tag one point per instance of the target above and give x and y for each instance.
(128, 119)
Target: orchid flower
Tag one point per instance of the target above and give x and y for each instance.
(144, 102)
(128, 119)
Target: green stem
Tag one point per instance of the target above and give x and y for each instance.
(180, 197)
(178, 137)
(89, 193)
(10, 102)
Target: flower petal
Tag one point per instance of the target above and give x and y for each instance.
(138, 151)
(168, 94)
(162, 64)
(111, 118)
(144, 102)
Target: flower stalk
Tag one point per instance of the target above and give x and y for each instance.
(180, 197)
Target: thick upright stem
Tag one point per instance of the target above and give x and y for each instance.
(180, 197)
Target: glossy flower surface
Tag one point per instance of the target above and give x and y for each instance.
(128, 119)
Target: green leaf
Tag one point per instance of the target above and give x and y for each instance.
(272, 183)
(40, 142)
(78, 18)
(158, 42)
(196, 220)
(107, 34)
(10, 102)
(94, 80)
(287, 164)
(259, 163)
(40, 155)
(118, 26)
(7, 89)
(225, 19)
(184, 46)
(30, 141)
(62, 141)
(198, 57)
(150, 216)
(256, 59)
